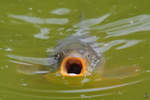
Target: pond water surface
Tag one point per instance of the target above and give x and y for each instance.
(31, 28)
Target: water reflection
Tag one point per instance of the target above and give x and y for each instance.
(125, 44)
(38, 20)
(84, 27)
(117, 28)
(92, 21)
(43, 33)
(45, 94)
(126, 26)
(82, 96)
(60, 11)
(100, 89)
(63, 94)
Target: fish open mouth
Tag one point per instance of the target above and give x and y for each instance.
(73, 66)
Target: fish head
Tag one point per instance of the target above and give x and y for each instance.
(77, 58)
(77, 62)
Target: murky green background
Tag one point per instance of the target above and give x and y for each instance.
(32, 28)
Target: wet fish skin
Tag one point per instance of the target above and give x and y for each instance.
(74, 45)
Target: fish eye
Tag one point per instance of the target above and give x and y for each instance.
(58, 55)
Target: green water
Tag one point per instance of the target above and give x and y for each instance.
(31, 28)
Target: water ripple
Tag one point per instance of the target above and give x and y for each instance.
(33, 60)
(52, 97)
(61, 11)
(83, 27)
(43, 34)
(100, 89)
(32, 93)
(38, 20)
(125, 44)
(126, 26)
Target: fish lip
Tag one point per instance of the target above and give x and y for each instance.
(80, 66)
